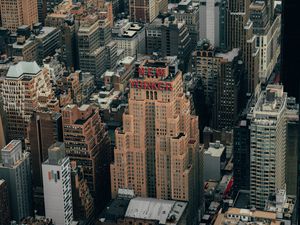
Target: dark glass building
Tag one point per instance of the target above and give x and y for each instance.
(241, 155)
(290, 57)
(290, 47)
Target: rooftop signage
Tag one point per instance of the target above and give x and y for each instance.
(152, 71)
(151, 85)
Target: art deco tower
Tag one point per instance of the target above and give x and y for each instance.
(157, 149)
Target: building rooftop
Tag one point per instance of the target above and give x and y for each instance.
(230, 55)
(116, 209)
(163, 211)
(269, 106)
(127, 60)
(16, 71)
(242, 199)
(215, 149)
(283, 205)
(11, 146)
(245, 216)
(45, 31)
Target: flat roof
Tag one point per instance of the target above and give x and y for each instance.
(11, 146)
(229, 55)
(155, 209)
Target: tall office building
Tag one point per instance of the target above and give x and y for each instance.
(241, 155)
(220, 75)
(15, 13)
(268, 129)
(157, 149)
(290, 41)
(45, 128)
(57, 186)
(87, 143)
(169, 36)
(289, 73)
(4, 203)
(83, 202)
(188, 11)
(142, 10)
(15, 170)
(228, 85)
(267, 30)
(42, 10)
(240, 35)
(213, 22)
(32, 90)
(91, 54)
(292, 146)
(66, 24)
(206, 69)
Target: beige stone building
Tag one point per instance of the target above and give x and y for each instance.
(25, 88)
(157, 149)
(15, 13)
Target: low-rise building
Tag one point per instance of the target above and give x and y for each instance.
(130, 37)
(214, 161)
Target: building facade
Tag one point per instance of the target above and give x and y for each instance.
(15, 170)
(213, 22)
(32, 90)
(57, 186)
(91, 54)
(168, 36)
(17, 13)
(267, 29)
(142, 10)
(268, 129)
(87, 143)
(228, 89)
(189, 12)
(241, 155)
(157, 149)
(4, 203)
(45, 128)
(240, 35)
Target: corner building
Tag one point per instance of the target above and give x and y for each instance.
(157, 149)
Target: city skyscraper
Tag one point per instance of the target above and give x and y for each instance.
(268, 144)
(228, 89)
(45, 128)
(213, 22)
(267, 29)
(32, 90)
(169, 36)
(241, 155)
(189, 12)
(87, 143)
(4, 203)
(292, 147)
(221, 78)
(57, 186)
(142, 10)
(15, 13)
(157, 149)
(240, 35)
(15, 170)
(289, 73)
(91, 54)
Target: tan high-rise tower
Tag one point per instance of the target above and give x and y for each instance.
(157, 149)
(15, 13)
